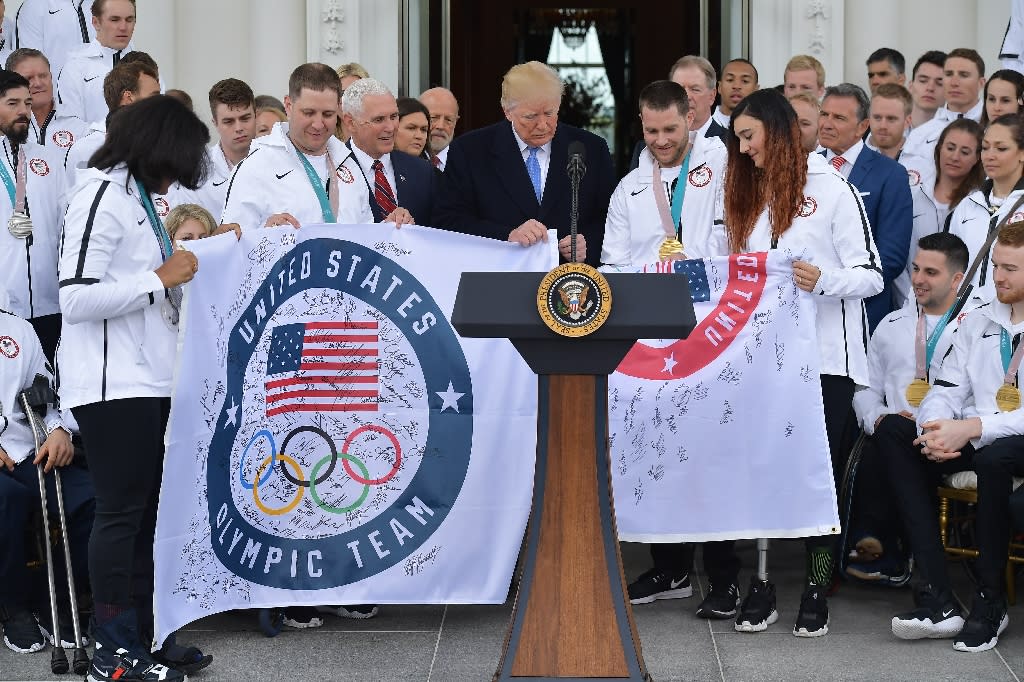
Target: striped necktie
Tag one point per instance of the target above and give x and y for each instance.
(382, 189)
(533, 168)
(838, 162)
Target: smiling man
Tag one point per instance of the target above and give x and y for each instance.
(49, 126)
(400, 187)
(300, 174)
(881, 182)
(508, 181)
(80, 82)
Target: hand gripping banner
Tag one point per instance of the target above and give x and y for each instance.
(332, 440)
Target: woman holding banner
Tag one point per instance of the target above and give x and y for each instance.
(120, 292)
(778, 197)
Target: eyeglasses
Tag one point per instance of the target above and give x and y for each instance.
(450, 120)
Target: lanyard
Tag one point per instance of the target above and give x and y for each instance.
(1010, 363)
(670, 220)
(16, 192)
(925, 349)
(314, 180)
(162, 238)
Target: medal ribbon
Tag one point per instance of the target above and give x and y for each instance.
(163, 240)
(21, 180)
(670, 219)
(1010, 363)
(925, 348)
(328, 208)
(8, 183)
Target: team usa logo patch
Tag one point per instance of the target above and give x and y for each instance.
(63, 138)
(1017, 217)
(39, 167)
(700, 176)
(9, 348)
(161, 206)
(345, 175)
(913, 177)
(808, 207)
(347, 422)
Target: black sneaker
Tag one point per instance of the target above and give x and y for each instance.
(812, 621)
(21, 632)
(357, 611)
(985, 623)
(758, 610)
(721, 602)
(302, 617)
(886, 571)
(119, 664)
(659, 584)
(186, 659)
(936, 616)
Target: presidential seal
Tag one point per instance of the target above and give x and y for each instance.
(347, 422)
(574, 299)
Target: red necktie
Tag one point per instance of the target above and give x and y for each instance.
(382, 189)
(436, 161)
(838, 162)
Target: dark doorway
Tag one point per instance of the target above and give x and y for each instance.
(635, 44)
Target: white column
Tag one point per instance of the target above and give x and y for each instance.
(941, 25)
(277, 32)
(781, 29)
(865, 33)
(210, 45)
(155, 34)
(992, 19)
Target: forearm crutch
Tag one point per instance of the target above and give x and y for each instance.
(38, 396)
(762, 559)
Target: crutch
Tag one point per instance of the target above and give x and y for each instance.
(762, 559)
(37, 397)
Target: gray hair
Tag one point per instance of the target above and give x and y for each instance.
(705, 67)
(352, 100)
(854, 91)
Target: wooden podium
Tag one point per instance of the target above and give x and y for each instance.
(572, 618)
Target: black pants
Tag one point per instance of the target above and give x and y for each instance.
(19, 499)
(47, 329)
(913, 479)
(721, 564)
(124, 448)
(837, 396)
(996, 464)
(873, 506)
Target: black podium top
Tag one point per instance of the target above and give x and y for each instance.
(504, 305)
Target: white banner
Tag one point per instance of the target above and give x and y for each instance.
(332, 439)
(722, 435)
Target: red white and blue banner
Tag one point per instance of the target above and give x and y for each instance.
(722, 435)
(332, 439)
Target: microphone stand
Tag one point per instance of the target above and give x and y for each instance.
(577, 169)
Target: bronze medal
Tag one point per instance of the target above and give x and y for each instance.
(916, 391)
(670, 247)
(1008, 398)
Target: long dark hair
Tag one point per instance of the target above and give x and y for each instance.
(159, 139)
(779, 185)
(976, 176)
(1014, 78)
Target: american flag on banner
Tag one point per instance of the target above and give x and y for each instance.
(323, 367)
(695, 270)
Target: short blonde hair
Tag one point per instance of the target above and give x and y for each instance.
(179, 214)
(806, 97)
(532, 79)
(805, 62)
(352, 69)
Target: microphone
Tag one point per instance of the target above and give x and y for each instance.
(577, 167)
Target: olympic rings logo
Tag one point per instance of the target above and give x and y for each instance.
(267, 468)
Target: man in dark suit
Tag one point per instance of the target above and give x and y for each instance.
(508, 181)
(881, 182)
(394, 180)
(700, 81)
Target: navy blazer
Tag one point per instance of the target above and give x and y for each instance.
(416, 184)
(486, 191)
(885, 190)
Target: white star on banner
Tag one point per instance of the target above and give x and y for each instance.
(232, 412)
(449, 398)
(670, 363)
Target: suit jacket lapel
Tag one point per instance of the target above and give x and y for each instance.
(556, 187)
(512, 171)
(860, 170)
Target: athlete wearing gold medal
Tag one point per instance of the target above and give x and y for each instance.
(973, 412)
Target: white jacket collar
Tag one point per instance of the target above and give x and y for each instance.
(698, 153)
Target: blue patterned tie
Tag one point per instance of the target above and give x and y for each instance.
(533, 168)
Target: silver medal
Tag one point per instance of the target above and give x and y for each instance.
(20, 225)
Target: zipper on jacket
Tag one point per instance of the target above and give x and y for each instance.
(103, 389)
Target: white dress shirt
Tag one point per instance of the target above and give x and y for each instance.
(366, 165)
(850, 155)
(543, 158)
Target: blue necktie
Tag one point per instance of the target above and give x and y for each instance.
(533, 168)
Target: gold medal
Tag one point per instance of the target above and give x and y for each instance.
(1008, 397)
(916, 391)
(670, 247)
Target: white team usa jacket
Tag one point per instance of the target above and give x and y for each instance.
(971, 372)
(832, 232)
(28, 266)
(213, 192)
(929, 218)
(115, 342)
(971, 221)
(272, 180)
(21, 359)
(633, 230)
(892, 364)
